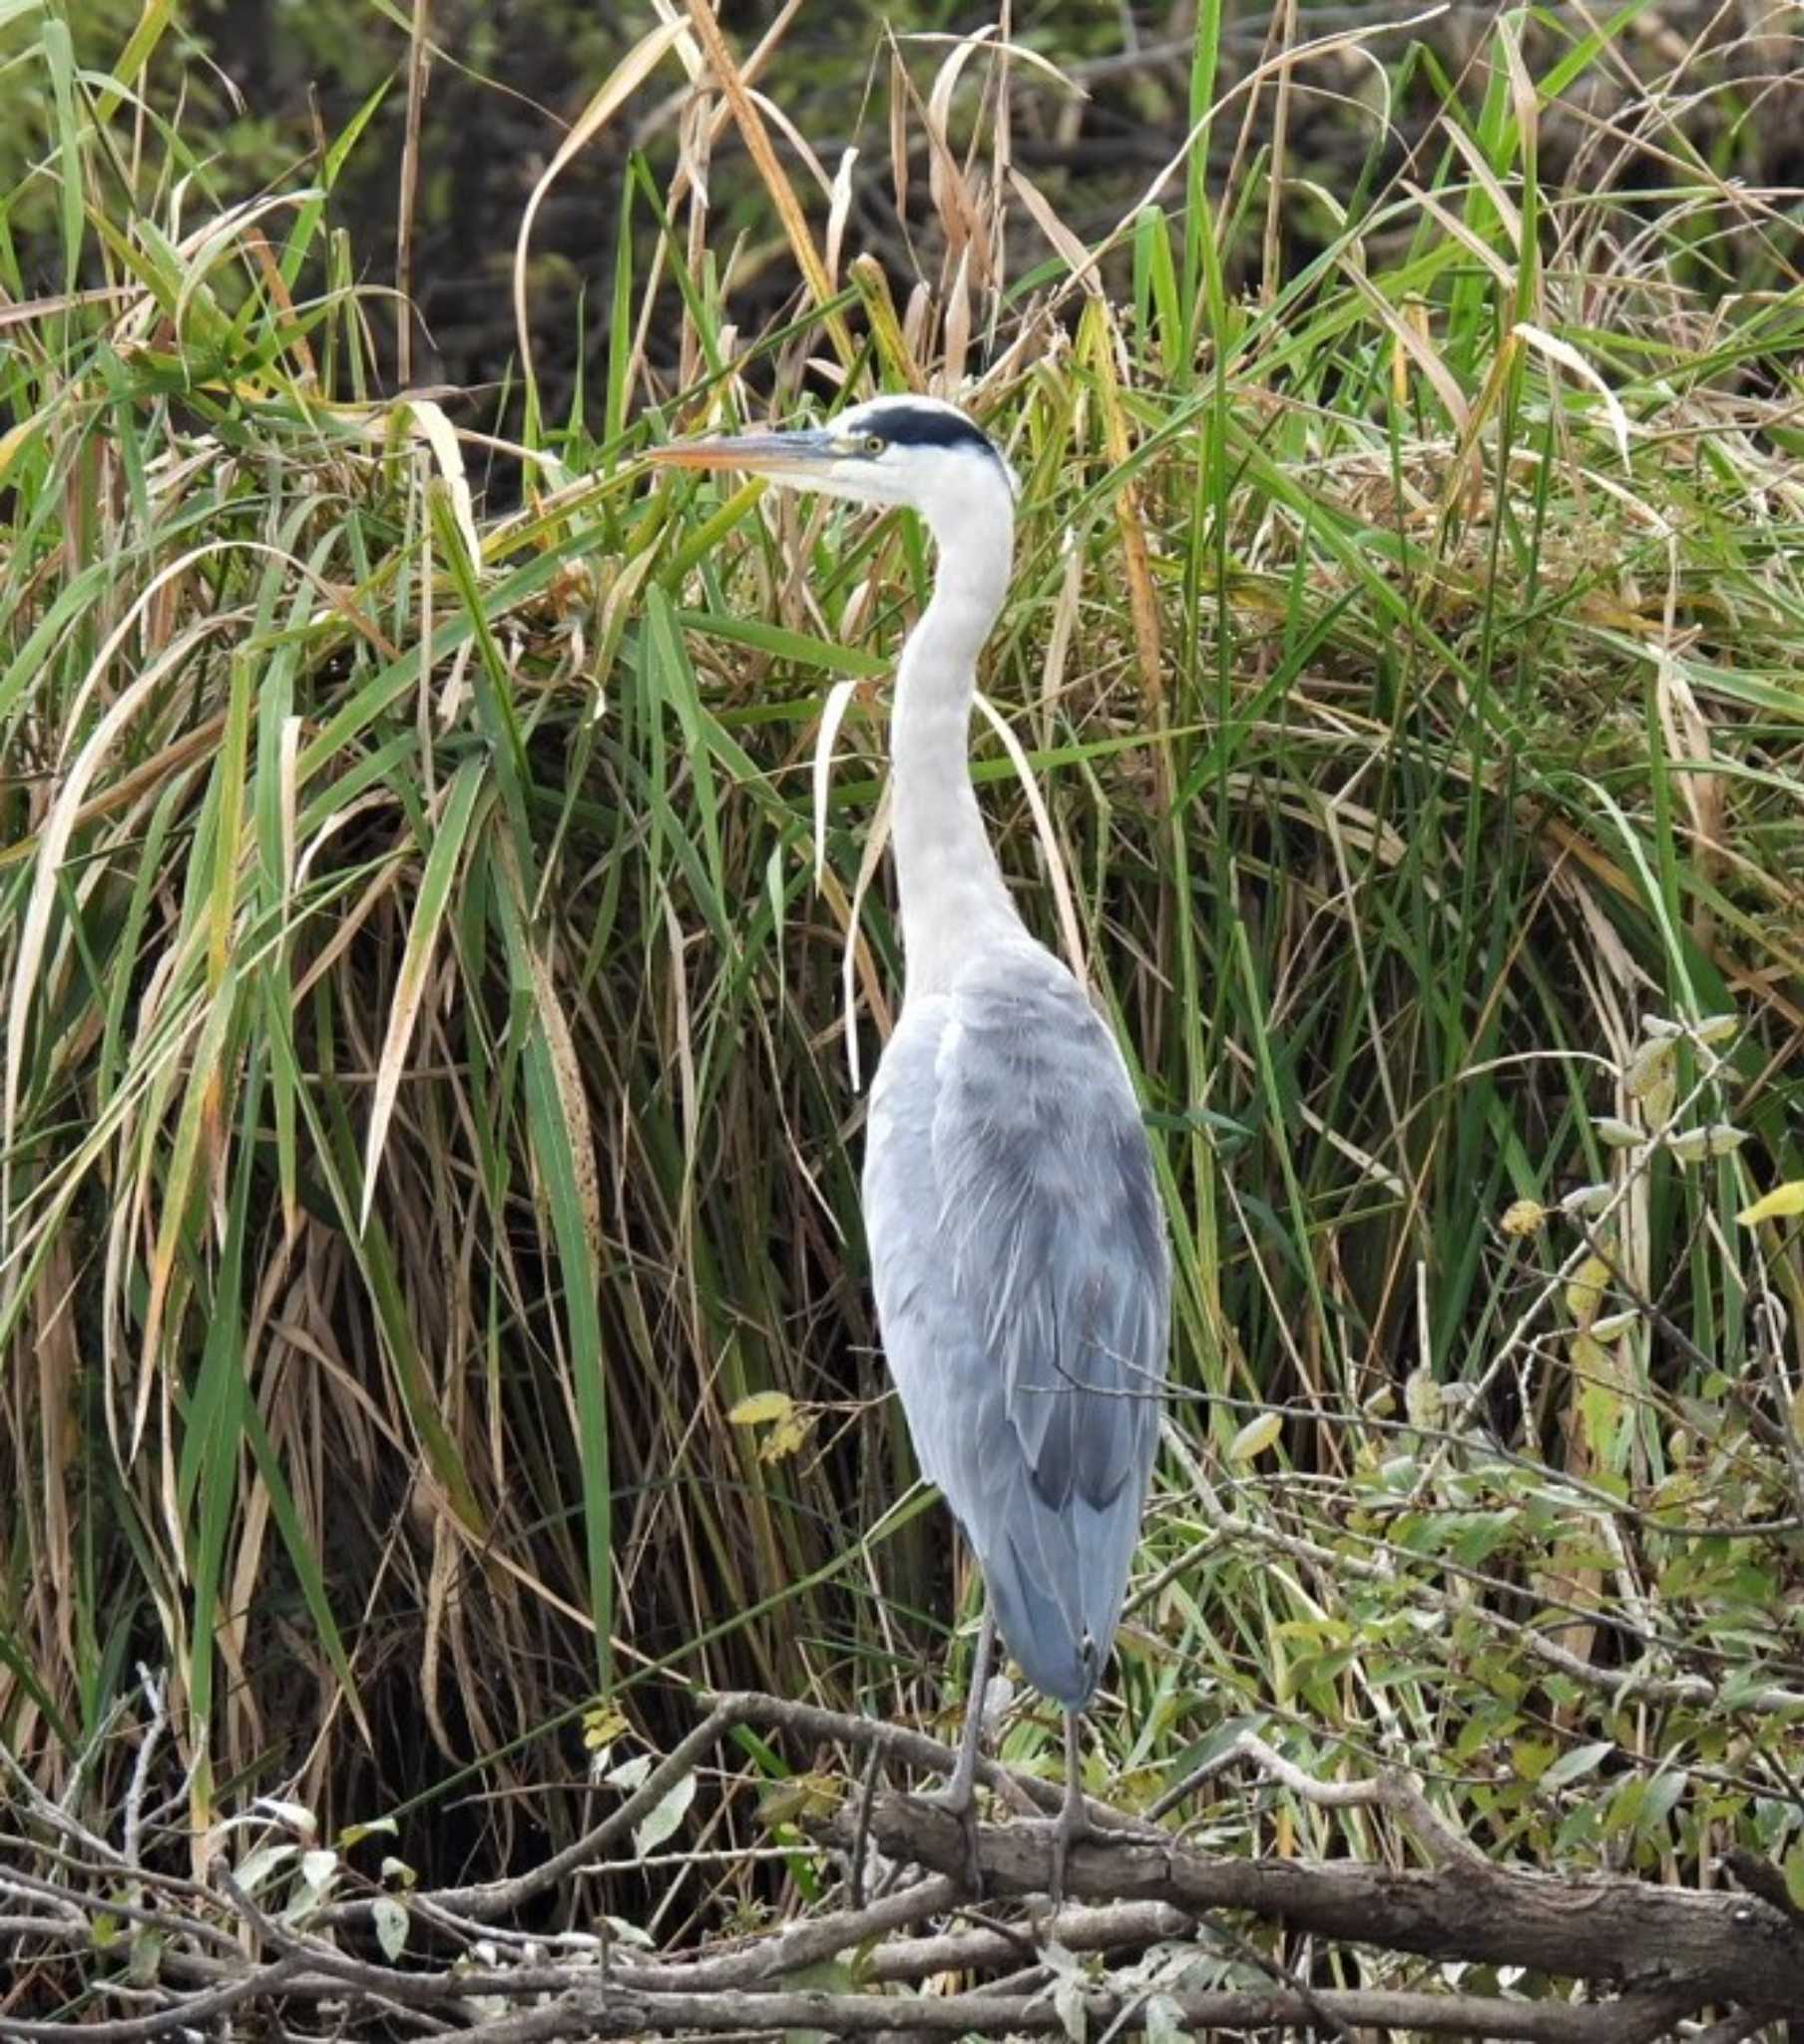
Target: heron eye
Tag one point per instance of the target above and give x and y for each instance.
(874, 443)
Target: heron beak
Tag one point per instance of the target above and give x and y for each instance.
(799, 455)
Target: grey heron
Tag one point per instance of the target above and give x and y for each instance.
(1018, 1247)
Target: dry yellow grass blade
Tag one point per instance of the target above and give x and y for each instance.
(1702, 789)
(1523, 96)
(1412, 341)
(1569, 357)
(876, 1000)
(625, 78)
(898, 130)
(1143, 599)
(893, 348)
(1451, 223)
(59, 1434)
(955, 325)
(721, 118)
(573, 1102)
(783, 194)
(450, 823)
(854, 952)
(1071, 249)
(839, 211)
(1061, 631)
(1069, 928)
(59, 827)
(1486, 179)
(839, 699)
(428, 422)
(152, 774)
(947, 184)
(1272, 244)
(202, 248)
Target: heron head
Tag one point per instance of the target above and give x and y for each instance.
(918, 453)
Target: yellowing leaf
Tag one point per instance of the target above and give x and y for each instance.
(1651, 1065)
(1421, 1398)
(603, 1725)
(1522, 1217)
(14, 439)
(802, 1799)
(1255, 1437)
(1585, 1290)
(1600, 1413)
(1778, 1204)
(787, 1438)
(761, 1408)
(354, 1834)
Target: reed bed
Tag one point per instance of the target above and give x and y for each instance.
(435, 1326)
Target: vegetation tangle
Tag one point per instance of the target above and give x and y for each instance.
(459, 1565)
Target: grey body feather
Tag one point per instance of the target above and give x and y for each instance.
(1023, 1286)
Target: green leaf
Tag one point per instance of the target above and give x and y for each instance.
(665, 1817)
(1662, 1797)
(1577, 1763)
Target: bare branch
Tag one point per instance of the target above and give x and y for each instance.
(1112, 1928)
(1707, 1947)
(1395, 1792)
(194, 2010)
(1636, 2019)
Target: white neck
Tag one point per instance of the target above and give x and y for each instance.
(951, 887)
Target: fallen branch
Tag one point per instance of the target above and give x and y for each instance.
(1703, 1948)
(1638, 2020)
(1139, 1903)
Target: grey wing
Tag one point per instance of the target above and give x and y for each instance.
(1024, 1290)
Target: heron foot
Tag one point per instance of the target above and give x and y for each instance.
(959, 1799)
(959, 1796)
(1072, 1827)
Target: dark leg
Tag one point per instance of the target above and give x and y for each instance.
(1072, 1824)
(959, 1792)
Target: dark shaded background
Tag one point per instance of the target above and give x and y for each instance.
(274, 80)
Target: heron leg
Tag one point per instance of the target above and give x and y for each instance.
(959, 1796)
(1071, 1826)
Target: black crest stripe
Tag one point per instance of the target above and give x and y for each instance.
(921, 425)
